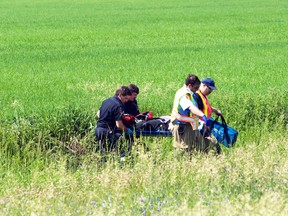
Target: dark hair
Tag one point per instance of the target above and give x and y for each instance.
(192, 80)
(123, 90)
(133, 88)
(118, 91)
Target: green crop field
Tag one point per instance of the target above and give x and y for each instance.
(60, 59)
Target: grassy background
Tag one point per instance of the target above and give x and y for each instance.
(60, 59)
(77, 53)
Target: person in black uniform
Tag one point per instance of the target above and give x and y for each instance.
(110, 126)
(131, 106)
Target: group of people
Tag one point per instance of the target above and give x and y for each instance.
(110, 126)
(190, 117)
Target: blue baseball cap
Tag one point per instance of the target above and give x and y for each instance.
(210, 83)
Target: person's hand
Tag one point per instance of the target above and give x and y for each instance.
(218, 112)
(206, 121)
(129, 132)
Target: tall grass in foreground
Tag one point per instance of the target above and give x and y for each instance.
(246, 180)
(24, 139)
(51, 164)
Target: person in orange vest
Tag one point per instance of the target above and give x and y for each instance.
(185, 116)
(207, 87)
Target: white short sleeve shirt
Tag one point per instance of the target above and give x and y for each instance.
(185, 103)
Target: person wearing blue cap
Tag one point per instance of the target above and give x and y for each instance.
(207, 87)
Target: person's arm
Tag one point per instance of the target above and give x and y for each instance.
(195, 110)
(118, 112)
(185, 103)
(216, 111)
(120, 125)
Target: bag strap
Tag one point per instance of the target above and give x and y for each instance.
(223, 120)
(225, 128)
(215, 120)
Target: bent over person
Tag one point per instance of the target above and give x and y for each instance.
(110, 126)
(131, 106)
(185, 116)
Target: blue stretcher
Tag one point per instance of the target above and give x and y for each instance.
(151, 124)
(153, 133)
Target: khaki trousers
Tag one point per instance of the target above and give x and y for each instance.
(187, 138)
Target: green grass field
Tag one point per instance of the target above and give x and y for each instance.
(60, 59)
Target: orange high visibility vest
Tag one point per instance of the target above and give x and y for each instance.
(207, 109)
